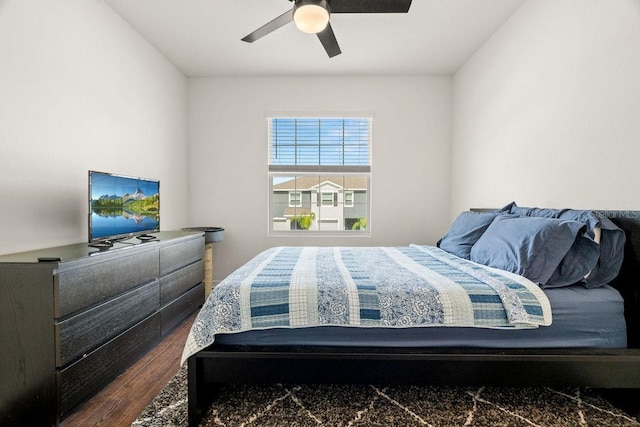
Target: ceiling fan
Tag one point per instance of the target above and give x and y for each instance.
(312, 17)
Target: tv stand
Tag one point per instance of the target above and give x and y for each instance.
(72, 322)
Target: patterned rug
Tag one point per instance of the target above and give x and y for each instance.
(362, 405)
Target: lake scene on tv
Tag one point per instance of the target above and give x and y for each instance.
(123, 205)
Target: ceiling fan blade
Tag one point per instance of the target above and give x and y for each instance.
(370, 6)
(280, 21)
(328, 40)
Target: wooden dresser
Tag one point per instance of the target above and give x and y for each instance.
(68, 327)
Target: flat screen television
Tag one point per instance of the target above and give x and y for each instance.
(121, 207)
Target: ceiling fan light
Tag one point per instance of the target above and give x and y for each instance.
(311, 18)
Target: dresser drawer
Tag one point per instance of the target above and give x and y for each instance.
(177, 255)
(175, 284)
(86, 376)
(182, 307)
(97, 280)
(82, 333)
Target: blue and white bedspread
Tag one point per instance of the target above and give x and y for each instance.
(410, 286)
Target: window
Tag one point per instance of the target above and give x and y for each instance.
(348, 199)
(327, 199)
(295, 199)
(320, 174)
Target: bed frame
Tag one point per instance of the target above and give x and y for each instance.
(575, 367)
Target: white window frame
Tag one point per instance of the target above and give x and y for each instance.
(291, 199)
(344, 200)
(293, 171)
(326, 203)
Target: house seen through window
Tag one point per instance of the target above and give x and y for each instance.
(320, 174)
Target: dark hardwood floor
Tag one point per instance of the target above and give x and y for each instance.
(120, 402)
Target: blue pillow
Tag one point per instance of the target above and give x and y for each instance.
(465, 232)
(530, 246)
(580, 261)
(586, 217)
(610, 254)
(612, 242)
(507, 208)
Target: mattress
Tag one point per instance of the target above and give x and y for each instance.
(590, 318)
(368, 287)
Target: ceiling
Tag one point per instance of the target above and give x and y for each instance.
(202, 37)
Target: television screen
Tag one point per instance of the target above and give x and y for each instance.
(122, 206)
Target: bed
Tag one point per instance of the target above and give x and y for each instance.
(522, 347)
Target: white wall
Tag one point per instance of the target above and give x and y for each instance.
(547, 112)
(80, 90)
(228, 156)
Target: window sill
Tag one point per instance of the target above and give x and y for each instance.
(328, 234)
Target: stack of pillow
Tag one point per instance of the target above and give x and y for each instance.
(551, 247)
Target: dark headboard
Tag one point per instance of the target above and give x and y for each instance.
(628, 281)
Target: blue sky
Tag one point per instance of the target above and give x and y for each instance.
(102, 184)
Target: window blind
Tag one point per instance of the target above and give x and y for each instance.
(320, 144)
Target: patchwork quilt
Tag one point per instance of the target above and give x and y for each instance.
(390, 287)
